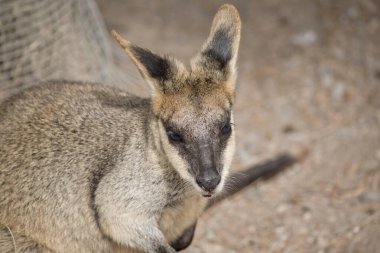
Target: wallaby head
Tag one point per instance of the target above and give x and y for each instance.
(193, 107)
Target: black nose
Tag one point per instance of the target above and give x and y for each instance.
(208, 182)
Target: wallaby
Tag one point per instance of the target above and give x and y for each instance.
(89, 168)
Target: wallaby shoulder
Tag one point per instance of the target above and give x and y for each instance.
(57, 141)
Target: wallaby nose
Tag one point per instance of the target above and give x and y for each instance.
(208, 182)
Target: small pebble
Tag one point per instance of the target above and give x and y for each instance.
(369, 197)
(282, 208)
(339, 91)
(307, 216)
(305, 39)
(322, 243)
(210, 235)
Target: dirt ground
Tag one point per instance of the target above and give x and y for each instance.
(309, 78)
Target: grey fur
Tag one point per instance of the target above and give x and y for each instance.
(88, 168)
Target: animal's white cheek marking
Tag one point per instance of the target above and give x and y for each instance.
(175, 159)
(228, 154)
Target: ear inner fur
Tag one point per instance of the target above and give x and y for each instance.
(164, 74)
(219, 48)
(156, 66)
(219, 53)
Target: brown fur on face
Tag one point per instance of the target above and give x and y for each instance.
(196, 103)
(196, 97)
(212, 75)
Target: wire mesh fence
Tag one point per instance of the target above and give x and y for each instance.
(54, 39)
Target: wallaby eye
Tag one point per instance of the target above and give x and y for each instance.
(173, 136)
(226, 129)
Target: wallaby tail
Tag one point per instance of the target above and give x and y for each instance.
(239, 180)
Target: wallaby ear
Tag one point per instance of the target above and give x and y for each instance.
(160, 72)
(221, 47)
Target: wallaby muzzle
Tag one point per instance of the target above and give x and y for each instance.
(208, 180)
(208, 175)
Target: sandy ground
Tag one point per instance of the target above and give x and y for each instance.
(309, 77)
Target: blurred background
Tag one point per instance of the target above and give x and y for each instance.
(309, 79)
